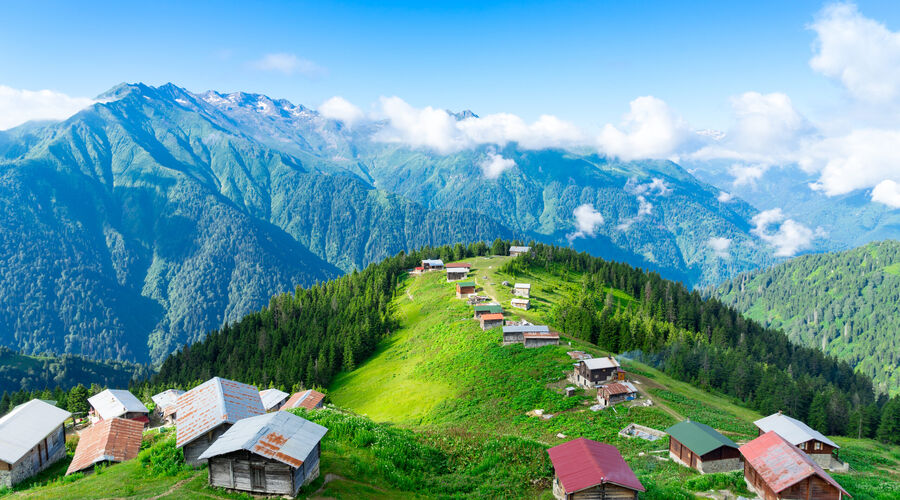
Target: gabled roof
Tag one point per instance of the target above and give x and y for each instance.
(619, 388)
(781, 464)
(279, 435)
(459, 264)
(699, 438)
(540, 335)
(490, 308)
(519, 249)
(432, 262)
(599, 363)
(491, 316)
(460, 284)
(113, 440)
(304, 399)
(113, 403)
(25, 426)
(457, 269)
(791, 429)
(583, 463)
(213, 403)
(522, 285)
(167, 398)
(271, 397)
(526, 329)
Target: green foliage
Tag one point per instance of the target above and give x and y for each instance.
(163, 458)
(31, 373)
(733, 481)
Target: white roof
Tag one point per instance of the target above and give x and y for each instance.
(522, 285)
(113, 403)
(166, 398)
(457, 270)
(598, 363)
(519, 249)
(791, 429)
(25, 426)
(433, 262)
(272, 397)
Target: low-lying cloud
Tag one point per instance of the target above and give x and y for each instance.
(18, 106)
(587, 221)
(342, 110)
(786, 235)
(493, 165)
(720, 247)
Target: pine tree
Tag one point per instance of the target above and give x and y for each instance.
(889, 428)
(5, 403)
(818, 413)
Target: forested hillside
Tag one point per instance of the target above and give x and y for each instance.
(847, 304)
(31, 373)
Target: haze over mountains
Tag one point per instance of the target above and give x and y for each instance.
(158, 214)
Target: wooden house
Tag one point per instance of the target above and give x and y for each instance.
(457, 273)
(515, 251)
(107, 441)
(166, 405)
(432, 265)
(491, 320)
(588, 470)
(539, 339)
(812, 442)
(273, 399)
(488, 309)
(271, 454)
(464, 265)
(515, 334)
(308, 399)
(703, 448)
(464, 289)
(590, 373)
(520, 303)
(522, 290)
(117, 403)
(208, 410)
(616, 392)
(775, 469)
(32, 438)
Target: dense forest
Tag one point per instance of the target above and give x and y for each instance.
(34, 373)
(847, 304)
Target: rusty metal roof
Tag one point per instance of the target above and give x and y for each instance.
(583, 463)
(166, 398)
(459, 264)
(272, 397)
(540, 335)
(113, 403)
(25, 426)
(781, 464)
(526, 329)
(619, 388)
(212, 403)
(491, 316)
(305, 399)
(113, 440)
(791, 429)
(278, 435)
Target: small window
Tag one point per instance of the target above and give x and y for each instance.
(802, 446)
(818, 446)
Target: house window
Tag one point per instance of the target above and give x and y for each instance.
(802, 446)
(258, 477)
(818, 446)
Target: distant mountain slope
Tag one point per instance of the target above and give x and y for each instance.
(847, 304)
(21, 372)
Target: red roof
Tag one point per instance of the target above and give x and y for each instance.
(781, 464)
(420, 268)
(491, 316)
(111, 440)
(458, 264)
(309, 399)
(583, 463)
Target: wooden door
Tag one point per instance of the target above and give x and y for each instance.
(258, 477)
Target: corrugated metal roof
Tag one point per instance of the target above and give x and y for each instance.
(305, 399)
(212, 403)
(526, 329)
(519, 249)
(599, 363)
(781, 464)
(167, 398)
(272, 397)
(460, 284)
(433, 262)
(583, 463)
(523, 285)
(491, 316)
(25, 426)
(113, 440)
(279, 435)
(699, 438)
(489, 308)
(459, 264)
(793, 430)
(457, 270)
(540, 335)
(113, 403)
(619, 388)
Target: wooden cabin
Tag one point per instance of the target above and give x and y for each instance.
(208, 410)
(309, 399)
(166, 404)
(515, 334)
(539, 339)
(590, 373)
(491, 320)
(271, 454)
(812, 442)
(488, 309)
(108, 441)
(515, 251)
(32, 438)
(703, 448)
(524, 304)
(522, 290)
(776, 469)
(273, 399)
(457, 273)
(586, 470)
(616, 392)
(432, 265)
(117, 403)
(464, 265)
(464, 289)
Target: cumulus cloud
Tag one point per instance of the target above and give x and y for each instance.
(786, 235)
(888, 193)
(338, 108)
(863, 54)
(720, 247)
(494, 164)
(288, 64)
(18, 106)
(587, 220)
(655, 186)
(649, 130)
(724, 197)
(746, 174)
(861, 159)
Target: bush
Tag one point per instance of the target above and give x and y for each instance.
(163, 459)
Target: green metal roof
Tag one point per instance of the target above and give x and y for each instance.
(465, 283)
(489, 308)
(699, 438)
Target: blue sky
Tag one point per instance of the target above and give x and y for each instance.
(581, 61)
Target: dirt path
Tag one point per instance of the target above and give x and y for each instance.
(646, 382)
(174, 487)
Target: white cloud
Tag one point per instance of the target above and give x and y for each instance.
(503, 128)
(587, 220)
(655, 186)
(724, 197)
(765, 122)
(289, 64)
(887, 192)
(338, 108)
(746, 174)
(861, 159)
(786, 235)
(19, 106)
(644, 206)
(649, 130)
(860, 52)
(494, 165)
(720, 247)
